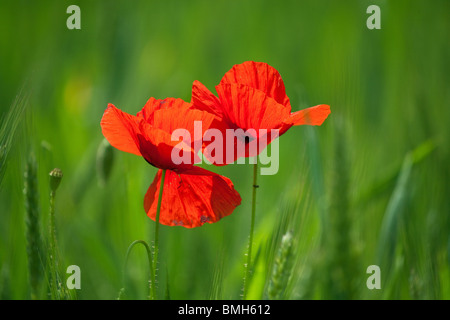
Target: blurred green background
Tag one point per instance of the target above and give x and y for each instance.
(370, 186)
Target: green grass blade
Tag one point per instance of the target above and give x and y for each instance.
(392, 216)
(9, 124)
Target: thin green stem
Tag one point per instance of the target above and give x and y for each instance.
(252, 227)
(57, 289)
(53, 248)
(156, 244)
(52, 224)
(149, 256)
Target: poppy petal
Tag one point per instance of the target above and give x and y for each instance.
(121, 129)
(260, 76)
(195, 122)
(153, 105)
(251, 116)
(249, 108)
(191, 198)
(203, 99)
(158, 149)
(149, 108)
(313, 116)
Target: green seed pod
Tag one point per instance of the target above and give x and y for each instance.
(55, 179)
(105, 160)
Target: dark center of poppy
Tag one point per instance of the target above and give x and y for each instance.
(245, 138)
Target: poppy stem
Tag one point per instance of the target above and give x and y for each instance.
(156, 243)
(252, 227)
(52, 245)
(149, 255)
(57, 290)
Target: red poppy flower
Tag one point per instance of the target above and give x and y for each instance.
(192, 196)
(252, 96)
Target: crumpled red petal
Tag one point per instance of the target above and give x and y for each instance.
(190, 122)
(246, 107)
(250, 115)
(148, 111)
(191, 198)
(121, 129)
(132, 134)
(313, 116)
(260, 76)
(203, 99)
(158, 149)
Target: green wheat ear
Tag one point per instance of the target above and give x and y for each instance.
(33, 235)
(282, 268)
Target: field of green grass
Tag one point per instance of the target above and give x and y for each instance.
(369, 187)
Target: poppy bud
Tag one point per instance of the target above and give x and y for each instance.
(55, 179)
(105, 159)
